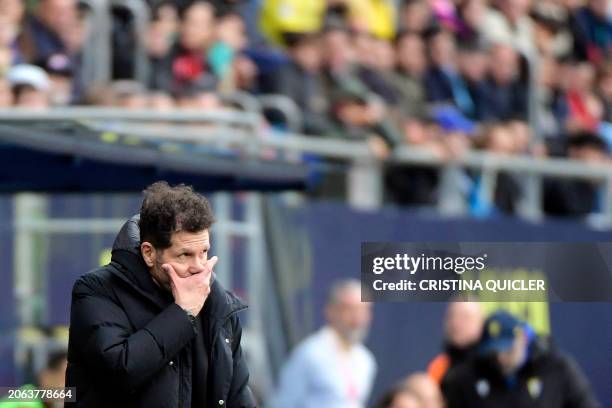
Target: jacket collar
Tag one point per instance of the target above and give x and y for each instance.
(131, 268)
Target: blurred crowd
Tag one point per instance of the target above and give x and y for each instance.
(492, 361)
(518, 77)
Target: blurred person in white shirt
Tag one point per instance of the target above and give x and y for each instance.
(332, 368)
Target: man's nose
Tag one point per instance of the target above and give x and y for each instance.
(197, 265)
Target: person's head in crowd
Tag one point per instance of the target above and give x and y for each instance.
(363, 43)
(399, 397)
(338, 52)
(410, 53)
(57, 15)
(506, 341)
(59, 69)
(6, 94)
(496, 138)
(230, 29)
(197, 26)
(604, 81)
(514, 10)
(13, 11)
(304, 50)
(548, 21)
(463, 324)
(587, 147)
(346, 314)
(521, 135)
(129, 94)
(384, 55)
(158, 41)
(166, 16)
(200, 94)
(504, 67)
(160, 101)
(30, 86)
(581, 77)
(473, 62)
(415, 16)
(471, 13)
(201, 99)
(442, 49)
(600, 8)
(426, 389)
(351, 104)
(54, 373)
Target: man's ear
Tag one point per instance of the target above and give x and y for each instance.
(148, 253)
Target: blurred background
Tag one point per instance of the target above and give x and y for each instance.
(312, 126)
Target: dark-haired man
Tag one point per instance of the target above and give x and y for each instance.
(153, 328)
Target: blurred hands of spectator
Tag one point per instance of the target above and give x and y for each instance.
(379, 147)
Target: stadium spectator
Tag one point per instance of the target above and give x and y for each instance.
(30, 86)
(470, 15)
(332, 368)
(408, 78)
(577, 198)
(47, 29)
(463, 324)
(358, 115)
(230, 41)
(474, 65)
(584, 108)
(301, 80)
(509, 23)
(416, 17)
(186, 63)
(516, 368)
(504, 94)
(443, 80)
(53, 376)
(592, 31)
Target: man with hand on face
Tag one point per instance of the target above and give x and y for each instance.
(153, 328)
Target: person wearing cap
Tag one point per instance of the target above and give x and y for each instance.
(515, 368)
(30, 86)
(359, 115)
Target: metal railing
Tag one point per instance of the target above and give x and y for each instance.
(365, 180)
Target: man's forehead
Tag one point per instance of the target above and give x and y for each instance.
(190, 238)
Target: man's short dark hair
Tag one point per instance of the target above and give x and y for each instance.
(166, 210)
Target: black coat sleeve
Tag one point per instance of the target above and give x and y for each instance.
(577, 390)
(102, 337)
(240, 395)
